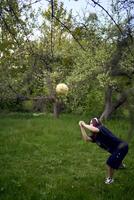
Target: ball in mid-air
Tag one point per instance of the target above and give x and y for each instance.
(62, 89)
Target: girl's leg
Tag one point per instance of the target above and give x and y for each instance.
(110, 171)
(115, 160)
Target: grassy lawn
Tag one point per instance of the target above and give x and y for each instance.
(42, 158)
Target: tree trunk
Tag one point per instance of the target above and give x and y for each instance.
(110, 107)
(55, 110)
(108, 104)
(113, 67)
(58, 107)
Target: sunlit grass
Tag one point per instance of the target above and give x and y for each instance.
(43, 158)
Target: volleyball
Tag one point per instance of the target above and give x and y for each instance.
(62, 89)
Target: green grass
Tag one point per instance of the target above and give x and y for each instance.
(42, 158)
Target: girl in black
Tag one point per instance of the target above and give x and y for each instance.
(104, 138)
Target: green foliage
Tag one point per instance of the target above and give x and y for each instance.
(28, 105)
(94, 103)
(33, 68)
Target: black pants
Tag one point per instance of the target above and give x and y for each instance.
(115, 160)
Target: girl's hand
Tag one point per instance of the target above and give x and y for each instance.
(81, 123)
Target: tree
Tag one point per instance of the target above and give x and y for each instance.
(16, 49)
(51, 50)
(120, 67)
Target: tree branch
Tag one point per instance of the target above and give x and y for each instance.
(96, 3)
(70, 32)
(52, 27)
(26, 5)
(123, 97)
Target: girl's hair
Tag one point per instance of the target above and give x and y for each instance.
(95, 121)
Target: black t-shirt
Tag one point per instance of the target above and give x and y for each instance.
(105, 139)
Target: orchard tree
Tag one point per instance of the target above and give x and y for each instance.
(120, 68)
(17, 49)
(54, 49)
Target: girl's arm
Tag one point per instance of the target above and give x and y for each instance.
(90, 127)
(85, 137)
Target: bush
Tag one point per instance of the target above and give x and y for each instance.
(27, 106)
